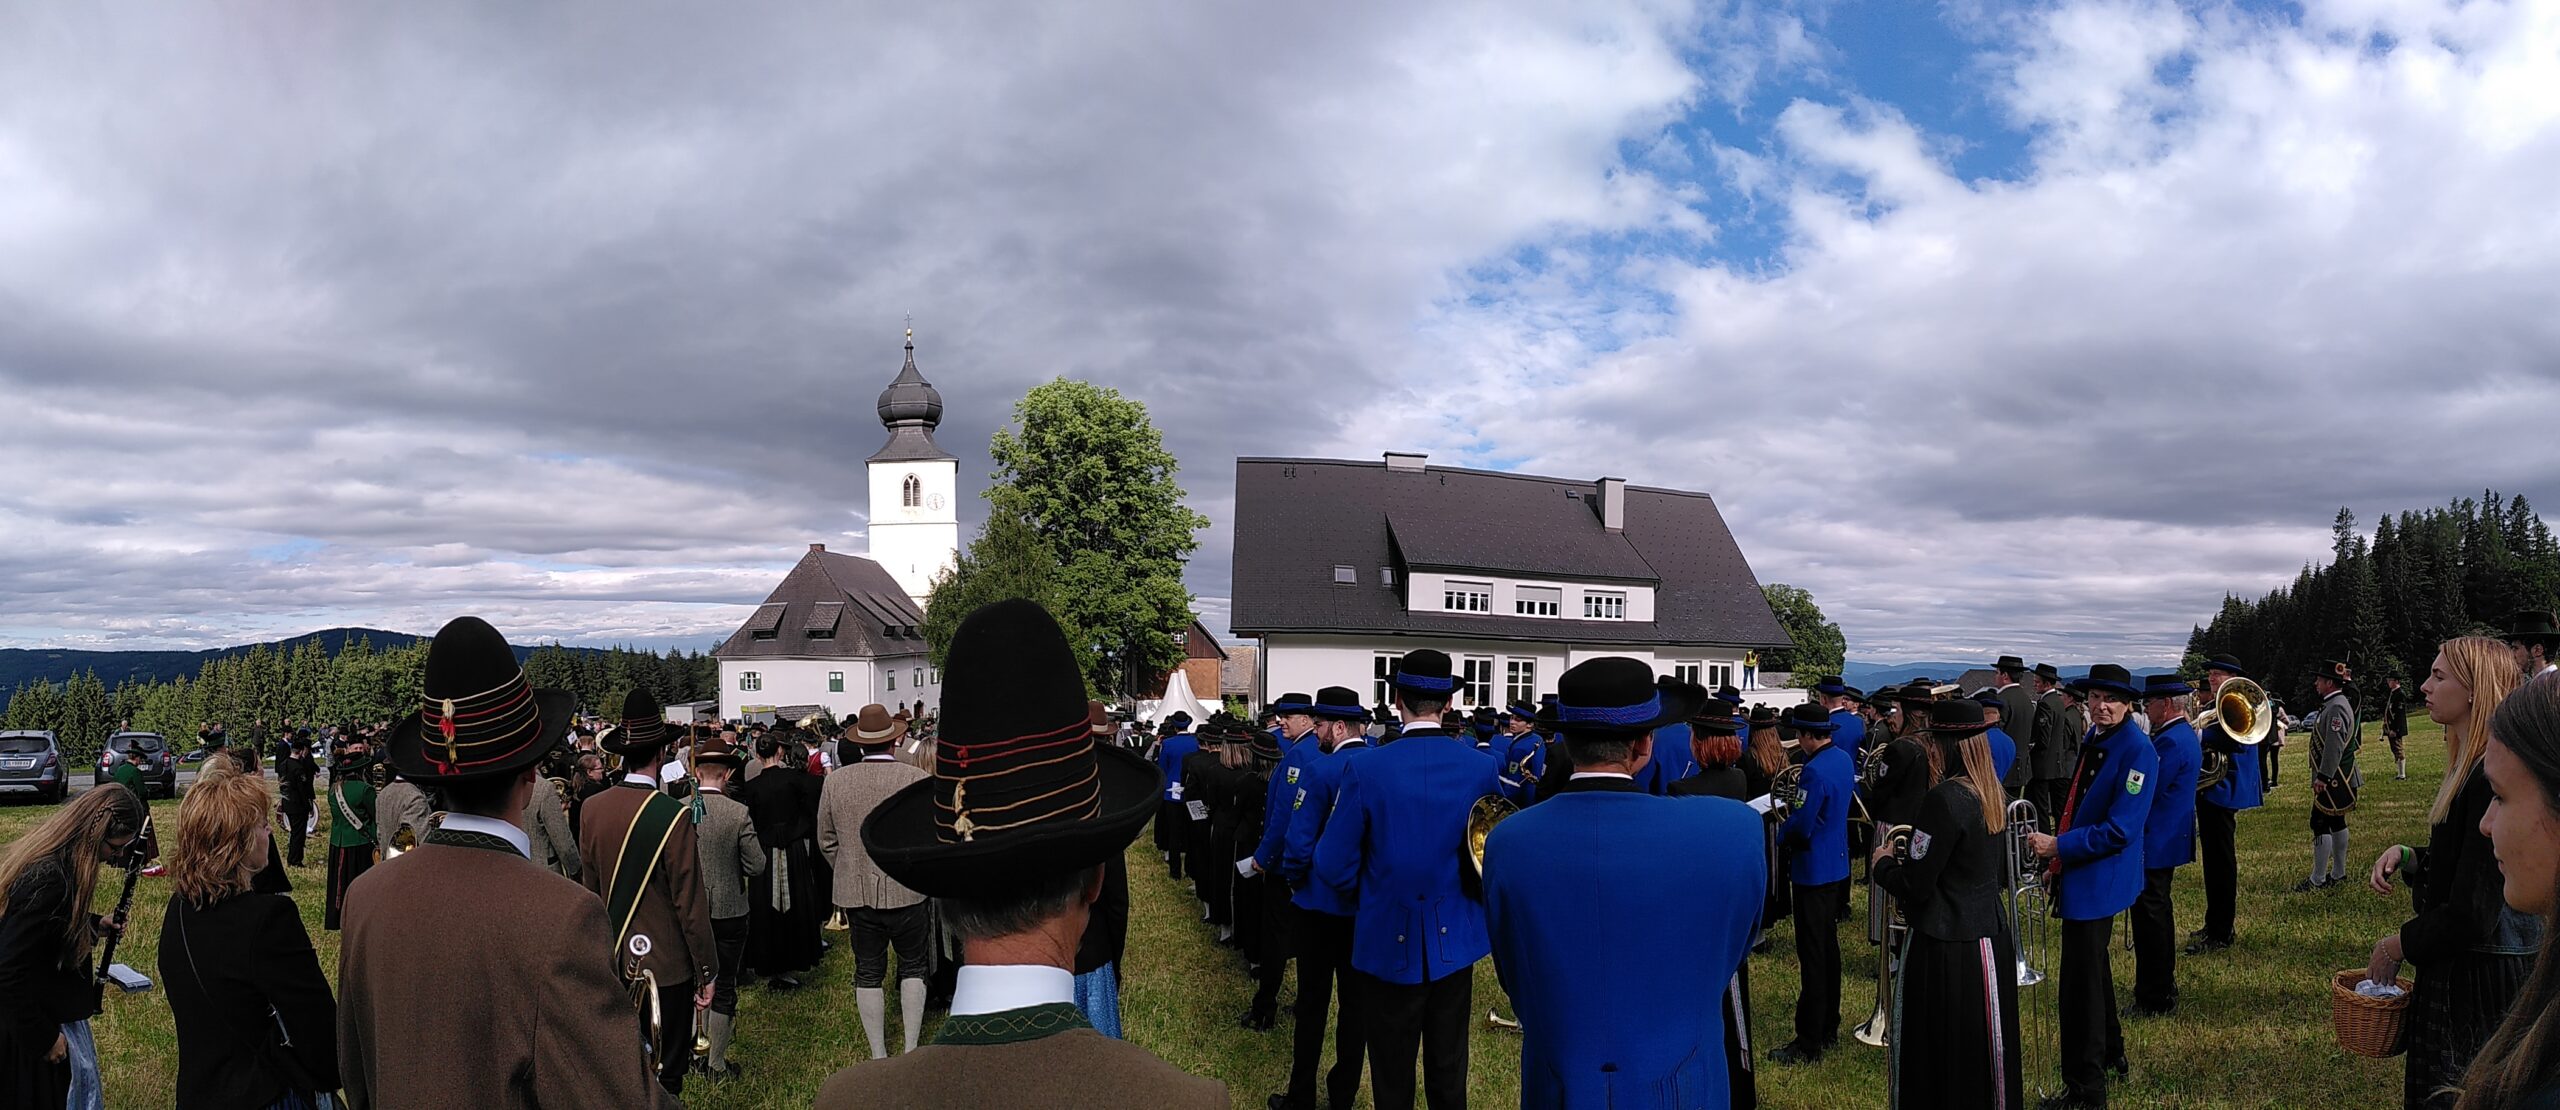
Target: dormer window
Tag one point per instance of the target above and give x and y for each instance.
(1467, 597)
(1343, 575)
(1604, 605)
(1538, 601)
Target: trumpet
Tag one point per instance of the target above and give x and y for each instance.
(2240, 707)
(1877, 1030)
(2030, 907)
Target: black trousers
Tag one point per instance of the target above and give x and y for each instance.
(2270, 758)
(2322, 824)
(729, 939)
(2217, 839)
(675, 1034)
(1323, 944)
(346, 865)
(2155, 943)
(2091, 1034)
(2049, 796)
(296, 813)
(1817, 919)
(1429, 1019)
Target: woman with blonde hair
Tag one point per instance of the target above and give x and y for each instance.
(256, 1024)
(47, 928)
(2473, 953)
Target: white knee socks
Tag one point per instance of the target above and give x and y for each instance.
(873, 1003)
(2338, 856)
(911, 1007)
(2320, 857)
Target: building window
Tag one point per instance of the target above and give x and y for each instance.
(1383, 668)
(763, 634)
(1475, 687)
(1343, 575)
(1467, 597)
(1520, 681)
(750, 681)
(933, 675)
(913, 494)
(1684, 672)
(1538, 601)
(918, 682)
(893, 679)
(1603, 606)
(1387, 577)
(835, 682)
(1719, 676)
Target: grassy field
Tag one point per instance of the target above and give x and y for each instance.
(2252, 1028)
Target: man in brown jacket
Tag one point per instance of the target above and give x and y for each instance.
(731, 855)
(1011, 836)
(657, 892)
(884, 915)
(469, 975)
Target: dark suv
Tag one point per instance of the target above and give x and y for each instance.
(150, 754)
(31, 763)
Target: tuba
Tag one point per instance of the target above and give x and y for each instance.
(2240, 707)
(1877, 1030)
(1487, 812)
(1786, 790)
(2030, 907)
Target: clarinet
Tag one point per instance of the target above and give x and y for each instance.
(138, 855)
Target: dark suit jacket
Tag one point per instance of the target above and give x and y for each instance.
(223, 965)
(471, 976)
(675, 910)
(1078, 1069)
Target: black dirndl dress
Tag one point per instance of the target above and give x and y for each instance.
(1955, 1043)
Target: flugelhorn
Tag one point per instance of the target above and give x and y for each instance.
(2240, 707)
(1877, 1030)
(643, 985)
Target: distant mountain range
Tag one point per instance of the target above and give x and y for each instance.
(17, 665)
(1868, 676)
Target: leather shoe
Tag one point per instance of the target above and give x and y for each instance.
(2199, 945)
(1258, 1022)
(2120, 1068)
(1795, 1053)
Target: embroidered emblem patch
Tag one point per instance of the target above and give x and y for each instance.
(1301, 801)
(2133, 782)
(1919, 845)
(1293, 776)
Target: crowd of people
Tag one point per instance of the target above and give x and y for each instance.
(637, 876)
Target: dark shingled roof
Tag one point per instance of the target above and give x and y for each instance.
(1297, 519)
(870, 615)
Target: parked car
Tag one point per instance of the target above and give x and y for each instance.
(31, 764)
(149, 753)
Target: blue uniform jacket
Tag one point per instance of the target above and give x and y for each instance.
(1309, 804)
(1818, 830)
(1169, 757)
(1643, 1032)
(2169, 835)
(2004, 751)
(1524, 759)
(1285, 780)
(1392, 843)
(2102, 850)
(1672, 760)
(2240, 789)
(1849, 732)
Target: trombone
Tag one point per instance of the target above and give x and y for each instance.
(1877, 1030)
(2030, 907)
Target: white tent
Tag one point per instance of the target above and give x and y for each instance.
(1177, 697)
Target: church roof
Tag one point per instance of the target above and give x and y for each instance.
(911, 408)
(831, 606)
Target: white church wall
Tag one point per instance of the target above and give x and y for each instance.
(809, 682)
(915, 543)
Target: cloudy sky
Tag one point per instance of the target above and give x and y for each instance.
(2030, 328)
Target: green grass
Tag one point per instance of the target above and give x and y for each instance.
(2252, 1027)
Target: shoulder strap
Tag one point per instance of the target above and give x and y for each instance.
(346, 811)
(655, 822)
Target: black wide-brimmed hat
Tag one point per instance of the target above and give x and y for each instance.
(643, 727)
(2047, 672)
(2335, 670)
(1764, 715)
(2108, 677)
(1286, 704)
(477, 716)
(1546, 714)
(1615, 694)
(1425, 672)
(2165, 686)
(1715, 719)
(1020, 790)
(2226, 665)
(1919, 690)
(1958, 718)
(1831, 684)
(1730, 695)
(2009, 664)
(2533, 624)
(1808, 717)
(1989, 699)
(346, 762)
(1337, 703)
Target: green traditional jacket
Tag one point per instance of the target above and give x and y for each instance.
(346, 829)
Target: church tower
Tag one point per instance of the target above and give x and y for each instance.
(915, 486)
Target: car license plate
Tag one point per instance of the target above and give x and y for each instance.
(16, 788)
(21, 764)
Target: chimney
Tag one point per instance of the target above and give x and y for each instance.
(1409, 462)
(1613, 504)
(817, 549)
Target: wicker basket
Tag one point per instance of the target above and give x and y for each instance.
(2373, 1027)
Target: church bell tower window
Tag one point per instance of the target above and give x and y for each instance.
(913, 493)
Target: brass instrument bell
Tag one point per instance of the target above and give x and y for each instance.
(1481, 818)
(2241, 708)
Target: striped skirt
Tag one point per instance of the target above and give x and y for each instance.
(1956, 1041)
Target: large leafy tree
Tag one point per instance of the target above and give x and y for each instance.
(1819, 647)
(1088, 473)
(1007, 560)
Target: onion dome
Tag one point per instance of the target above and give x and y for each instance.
(910, 399)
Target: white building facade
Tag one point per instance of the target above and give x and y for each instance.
(1342, 567)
